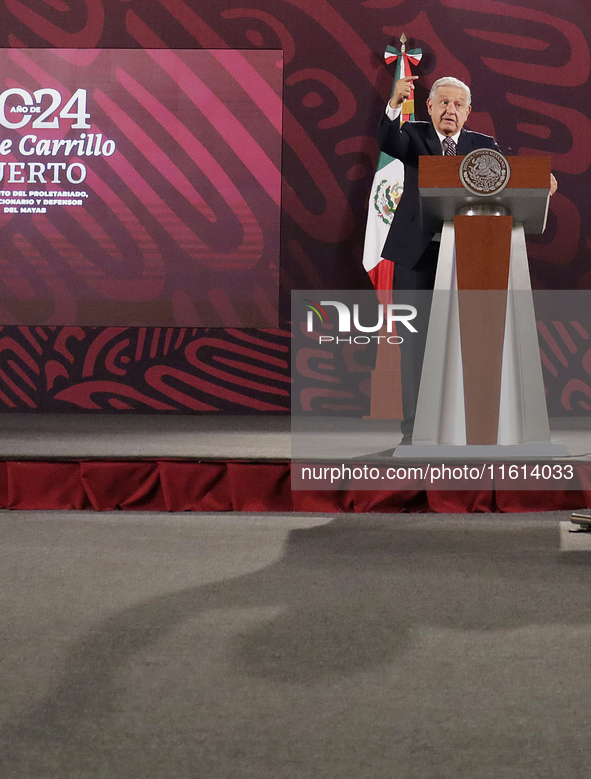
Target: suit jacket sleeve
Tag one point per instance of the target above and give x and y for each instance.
(392, 140)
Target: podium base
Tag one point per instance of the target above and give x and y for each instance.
(479, 451)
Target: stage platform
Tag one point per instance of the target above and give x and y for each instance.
(220, 463)
(256, 437)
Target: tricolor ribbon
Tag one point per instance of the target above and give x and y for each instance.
(412, 57)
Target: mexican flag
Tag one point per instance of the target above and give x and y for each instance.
(388, 183)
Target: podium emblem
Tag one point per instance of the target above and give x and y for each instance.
(484, 172)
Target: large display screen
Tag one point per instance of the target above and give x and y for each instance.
(140, 187)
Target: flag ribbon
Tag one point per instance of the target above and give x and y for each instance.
(412, 57)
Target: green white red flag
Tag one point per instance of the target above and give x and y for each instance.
(388, 182)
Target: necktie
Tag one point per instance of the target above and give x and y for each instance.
(449, 147)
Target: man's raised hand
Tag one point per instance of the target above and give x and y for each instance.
(402, 91)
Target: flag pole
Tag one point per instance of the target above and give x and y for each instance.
(388, 185)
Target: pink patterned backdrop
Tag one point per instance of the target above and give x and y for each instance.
(528, 64)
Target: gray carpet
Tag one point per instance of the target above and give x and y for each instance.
(157, 646)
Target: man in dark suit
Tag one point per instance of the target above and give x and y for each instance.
(413, 249)
(449, 107)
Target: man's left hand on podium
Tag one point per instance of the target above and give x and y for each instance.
(553, 184)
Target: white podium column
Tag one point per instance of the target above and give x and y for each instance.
(440, 422)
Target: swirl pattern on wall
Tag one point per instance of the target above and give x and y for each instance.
(104, 369)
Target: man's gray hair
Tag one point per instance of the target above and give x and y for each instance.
(450, 81)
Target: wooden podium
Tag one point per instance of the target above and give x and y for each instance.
(482, 392)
